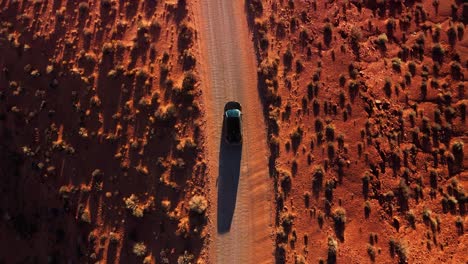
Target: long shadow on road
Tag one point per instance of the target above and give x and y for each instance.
(228, 180)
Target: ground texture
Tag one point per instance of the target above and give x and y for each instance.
(100, 133)
(366, 108)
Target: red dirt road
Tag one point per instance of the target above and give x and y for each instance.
(241, 214)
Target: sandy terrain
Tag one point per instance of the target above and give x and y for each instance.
(240, 188)
(366, 105)
(100, 133)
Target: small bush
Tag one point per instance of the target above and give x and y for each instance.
(139, 249)
(317, 179)
(330, 132)
(411, 219)
(185, 37)
(198, 204)
(332, 250)
(367, 209)
(339, 218)
(459, 225)
(83, 8)
(452, 35)
(382, 40)
(438, 53)
(288, 58)
(327, 34)
(371, 252)
(458, 154)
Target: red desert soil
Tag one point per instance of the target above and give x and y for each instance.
(240, 189)
(366, 108)
(100, 133)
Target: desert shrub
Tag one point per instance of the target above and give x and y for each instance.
(299, 66)
(166, 113)
(459, 225)
(342, 80)
(381, 41)
(400, 248)
(187, 145)
(391, 24)
(423, 89)
(331, 150)
(458, 154)
(411, 218)
(365, 185)
(106, 4)
(330, 132)
(438, 53)
(388, 86)
(185, 37)
(462, 110)
(339, 218)
(356, 36)
(288, 58)
(452, 35)
(412, 67)
(299, 259)
(287, 220)
(327, 34)
(139, 249)
(396, 64)
(256, 7)
(456, 70)
(317, 179)
(296, 137)
(107, 48)
(83, 8)
(403, 195)
(433, 175)
(189, 81)
(320, 219)
(329, 186)
(198, 204)
(163, 71)
(371, 252)
(332, 250)
(367, 209)
(132, 204)
(318, 125)
(189, 59)
(460, 30)
(186, 258)
(286, 181)
(304, 37)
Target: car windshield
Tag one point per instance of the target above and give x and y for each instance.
(233, 113)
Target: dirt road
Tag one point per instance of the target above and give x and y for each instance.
(240, 188)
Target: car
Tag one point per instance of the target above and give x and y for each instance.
(233, 123)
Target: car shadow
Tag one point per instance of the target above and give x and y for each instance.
(228, 181)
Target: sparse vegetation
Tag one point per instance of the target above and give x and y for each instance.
(198, 204)
(139, 249)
